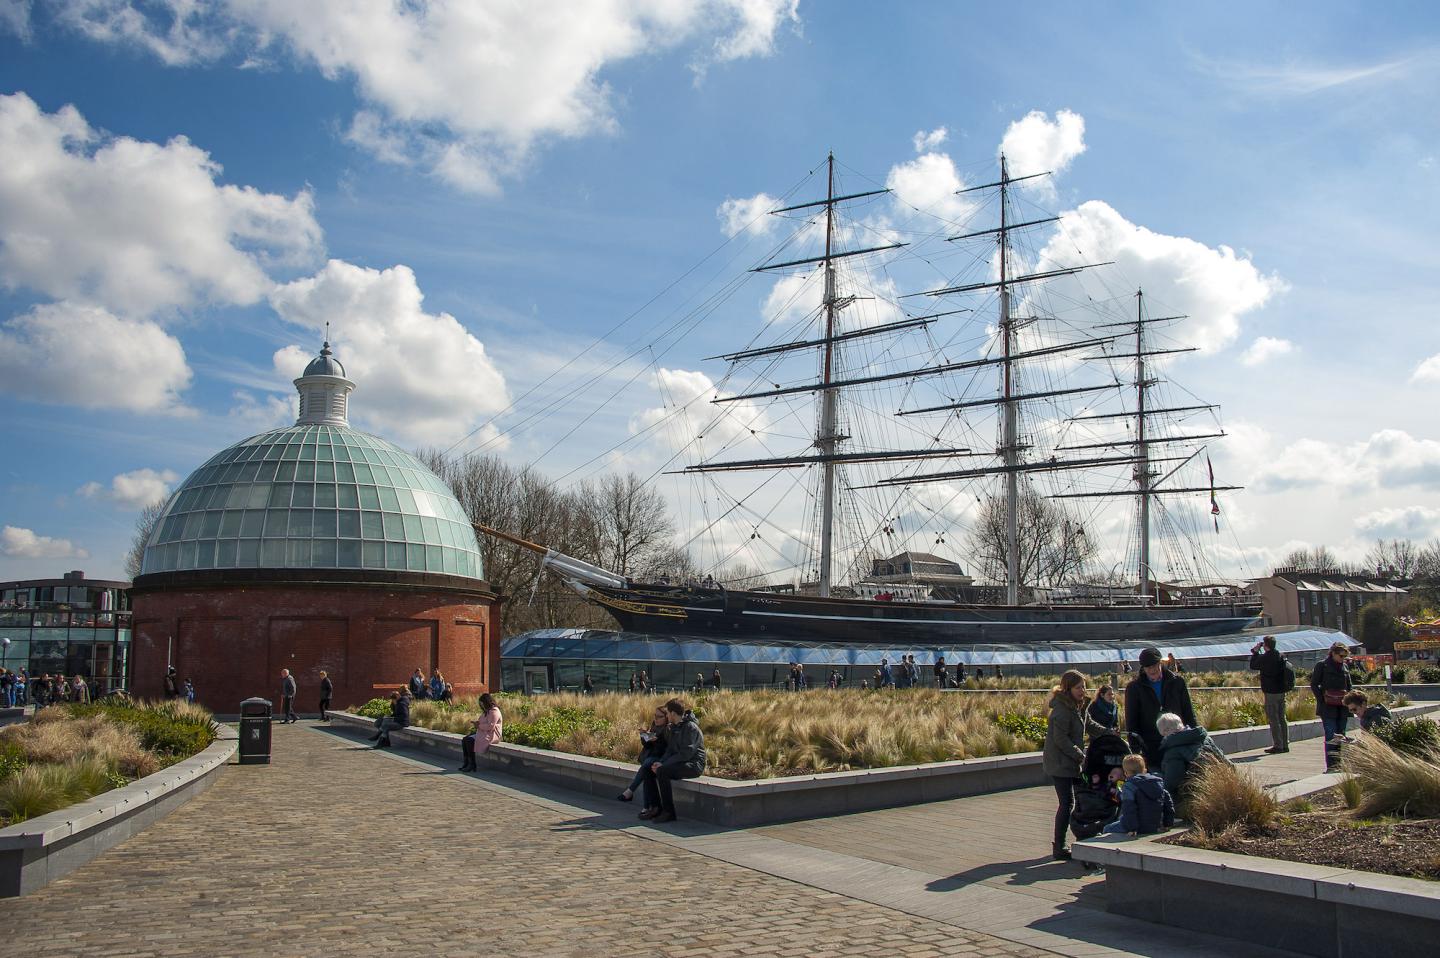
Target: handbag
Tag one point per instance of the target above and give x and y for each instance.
(1335, 697)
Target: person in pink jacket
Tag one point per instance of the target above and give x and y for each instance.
(489, 729)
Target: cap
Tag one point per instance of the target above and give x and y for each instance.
(1149, 657)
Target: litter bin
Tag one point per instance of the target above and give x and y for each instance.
(255, 732)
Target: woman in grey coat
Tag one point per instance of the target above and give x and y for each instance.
(1065, 750)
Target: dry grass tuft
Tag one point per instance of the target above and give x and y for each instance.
(60, 738)
(1223, 797)
(1391, 782)
(1351, 791)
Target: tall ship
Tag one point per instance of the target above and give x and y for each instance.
(1005, 401)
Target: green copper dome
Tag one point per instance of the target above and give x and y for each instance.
(316, 495)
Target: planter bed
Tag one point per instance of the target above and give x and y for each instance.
(740, 804)
(35, 852)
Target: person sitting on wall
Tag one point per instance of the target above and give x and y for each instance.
(653, 741)
(1146, 806)
(489, 729)
(399, 717)
(1180, 748)
(684, 758)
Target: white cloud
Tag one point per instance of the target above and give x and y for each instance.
(1296, 78)
(927, 141)
(466, 89)
(135, 489)
(85, 356)
(265, 412)
(15, 17)
(688, 416)
(134, 226)
(796, 298)
(1409, 522)
(1037, 144)
(1388, 459)
(1213, 286)
(748, 214)
(1264, 349)
(929, 183)
(25, 544)
(421, 377)
(1428, 371)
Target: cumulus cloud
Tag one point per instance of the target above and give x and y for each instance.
(264, 412)
(1264, 349)
(797, 298)
(1409, 522)
(1213, 286)
(1389, 459)
(926, 141)
(85, 356)
(15, 17)
(929, 183)
(135, 489)
(25, 544)
(1037, 144)
(688, 415)
(747, 214)
(133, 226)
(465, 89)
(421, 376)
(1428, 371)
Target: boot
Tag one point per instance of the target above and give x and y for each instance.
(1059, 853)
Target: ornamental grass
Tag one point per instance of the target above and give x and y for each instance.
(1392, 782)
(1227, 800)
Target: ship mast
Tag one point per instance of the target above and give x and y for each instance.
(1142, 449)
(826, 438)
(1009, 440)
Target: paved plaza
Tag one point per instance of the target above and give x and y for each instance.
(339, 850)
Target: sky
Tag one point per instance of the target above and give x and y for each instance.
(503, 209)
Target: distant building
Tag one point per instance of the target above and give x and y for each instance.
(918, 568)
(71, 626)
(1318, 597)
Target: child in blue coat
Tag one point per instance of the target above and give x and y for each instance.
(1145, 805)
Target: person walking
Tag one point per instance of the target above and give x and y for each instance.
(1064, 752)
(287, 697)
(189, 692)
(1329, 681)
(1154, 691)
(1276, 678)
(884, 679)
(327, 689)
(714, 679)
(941, 675)
(587, 687)
(172, 683)
(489, 729)
(684, 758)
(79, 690)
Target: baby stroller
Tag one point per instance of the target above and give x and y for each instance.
(1097, 801)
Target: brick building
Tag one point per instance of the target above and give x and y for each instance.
(313, 547)
(1317, 597)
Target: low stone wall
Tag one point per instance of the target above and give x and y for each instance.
(36, 852)
(1310, 909)
(745, 804)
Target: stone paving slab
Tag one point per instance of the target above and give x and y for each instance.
(337, 850)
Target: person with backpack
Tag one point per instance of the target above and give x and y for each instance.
(1276, 678)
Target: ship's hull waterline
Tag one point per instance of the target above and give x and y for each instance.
(716, 614)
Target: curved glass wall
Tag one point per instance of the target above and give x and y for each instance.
(314, 497)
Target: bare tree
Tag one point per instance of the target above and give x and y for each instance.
(144, 525)
(1053, 547)
(631, 525)
(1393, 558)
(1319, 558)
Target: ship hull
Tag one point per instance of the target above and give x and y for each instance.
(716, 614)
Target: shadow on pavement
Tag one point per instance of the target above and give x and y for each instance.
(1028, 871)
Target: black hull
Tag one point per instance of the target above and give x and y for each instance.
(716, 615)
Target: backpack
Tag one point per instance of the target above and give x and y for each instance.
(1287, 676)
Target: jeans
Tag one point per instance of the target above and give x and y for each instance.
(661, 782)
(1114, 828)
(1275, 716)
(383, 727)
(1065, 793)
(1333, 719)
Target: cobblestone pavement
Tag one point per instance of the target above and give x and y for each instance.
(334, 850)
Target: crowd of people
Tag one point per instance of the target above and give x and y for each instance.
(18, 688)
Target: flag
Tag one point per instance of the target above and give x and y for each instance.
(1214, 506)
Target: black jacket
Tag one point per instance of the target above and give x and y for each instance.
(685, 748)
(1328, 676)
(287, 687)
(1376, 714)
(1271, 666)
(654, 751)
(400, 710)
(326, 687)
(1142, 709)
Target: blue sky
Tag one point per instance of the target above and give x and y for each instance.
(538, 205)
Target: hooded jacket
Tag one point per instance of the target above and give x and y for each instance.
(1376, 714)
(1179, 750)
(1065, 737)
(1145, 805)
(685, 748)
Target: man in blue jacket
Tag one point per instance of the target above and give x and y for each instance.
(1155, 691)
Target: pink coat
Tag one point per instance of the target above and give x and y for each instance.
(488, 730)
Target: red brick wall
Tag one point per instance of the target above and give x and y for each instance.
(233, 642)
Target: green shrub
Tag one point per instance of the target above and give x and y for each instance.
(1430, 674)
(1031, 727)
(1351, 791)
(546, 730)
(1399, 675)
(1417, 735)
(375, 708)
(169, 729)
(12, 759)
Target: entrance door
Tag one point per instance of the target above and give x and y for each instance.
(537, 680)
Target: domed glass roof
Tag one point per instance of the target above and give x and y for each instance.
(314, 496)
